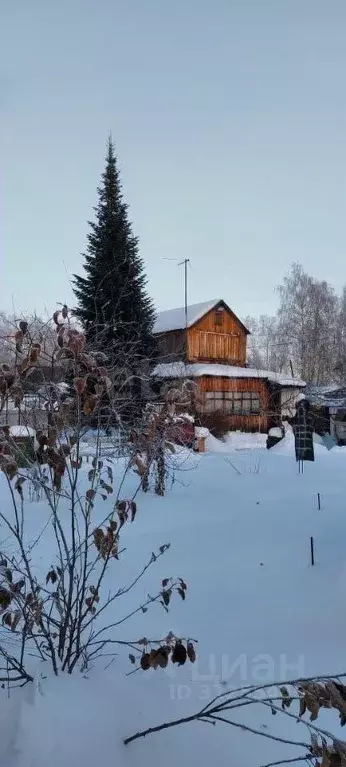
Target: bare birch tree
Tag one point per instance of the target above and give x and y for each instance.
(307, 322)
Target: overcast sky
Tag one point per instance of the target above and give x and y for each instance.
(229, 122)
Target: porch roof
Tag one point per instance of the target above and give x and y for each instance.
(197, 369)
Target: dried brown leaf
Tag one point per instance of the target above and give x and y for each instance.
(33, 355)
(77, 464)
(57, 481)
(133, 508)
(191, 653)
(90, 404)
(15, 619)
(79, 385)
(19, 485)
(162, 656)
(166, 596)
(5, 598)
(51, 576)
(145, 661)
(179, 654)
(9, 467)
(18, 586)
(19, 338)
(7, 619)
(302, 707)
(312, 705)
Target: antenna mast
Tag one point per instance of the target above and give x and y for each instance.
(186, 261)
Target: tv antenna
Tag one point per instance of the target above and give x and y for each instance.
(185, 262)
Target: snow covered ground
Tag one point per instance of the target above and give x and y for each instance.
(235, 440)
(239, 523)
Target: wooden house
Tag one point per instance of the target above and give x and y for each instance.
(207, 344)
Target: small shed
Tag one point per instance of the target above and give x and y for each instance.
(329, 406)
(248, 399)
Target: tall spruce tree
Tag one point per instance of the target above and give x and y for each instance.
(113, 305)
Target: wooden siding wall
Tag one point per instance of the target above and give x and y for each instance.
(171, 346)
(250, 422)
(208, 341)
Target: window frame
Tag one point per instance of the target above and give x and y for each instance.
(219, 314)
(232, 402)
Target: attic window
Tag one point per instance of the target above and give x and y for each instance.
(218, 316)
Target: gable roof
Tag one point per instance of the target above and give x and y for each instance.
(174, 319)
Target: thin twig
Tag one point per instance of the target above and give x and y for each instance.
(258, 732)
(305, 758)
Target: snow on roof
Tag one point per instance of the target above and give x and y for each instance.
(201, 431)
(283, 380)
(196, 369)
(174, 319)
(333, 390)
(22, 431)
(327, 396)
(60, 386)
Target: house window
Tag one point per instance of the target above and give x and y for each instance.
(239, 403)
(218, 317)
(213, 401)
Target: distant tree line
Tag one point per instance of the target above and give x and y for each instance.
(307, 336)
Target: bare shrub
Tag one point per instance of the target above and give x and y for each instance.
(155, 439)
(307, 697)
(61, 616)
